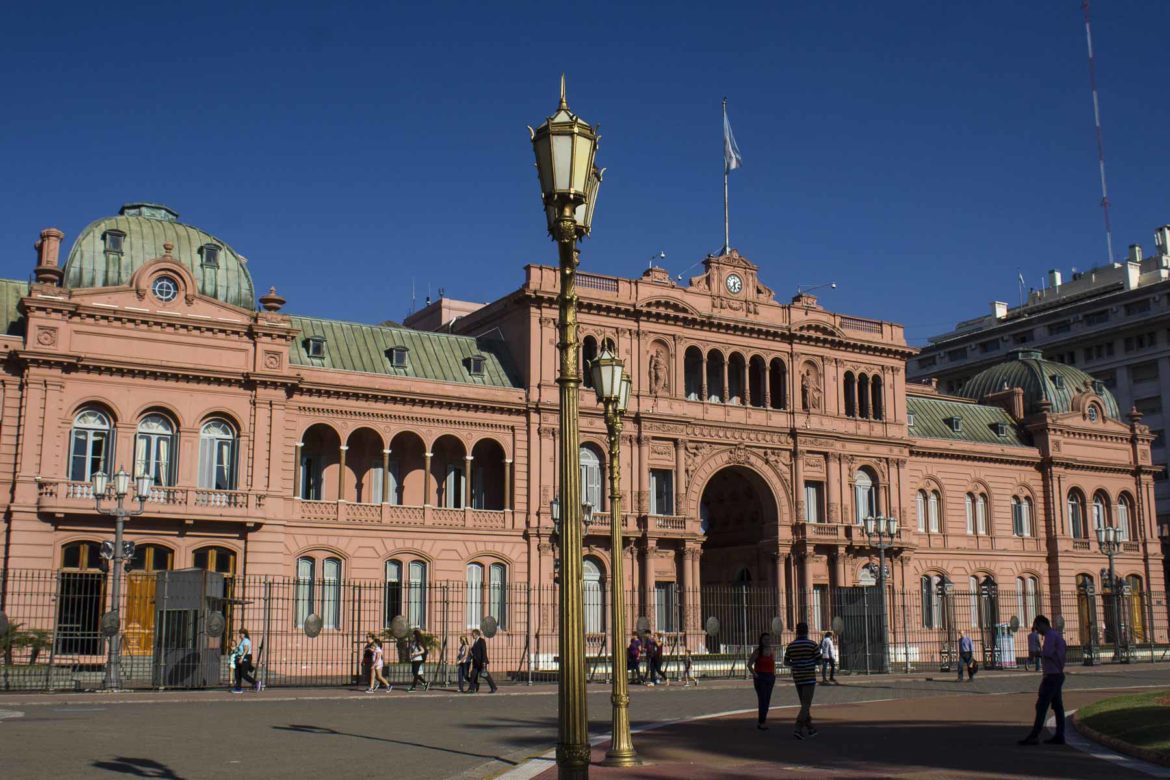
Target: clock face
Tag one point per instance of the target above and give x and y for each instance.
(734, 284)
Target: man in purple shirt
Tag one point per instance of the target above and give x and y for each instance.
(1052, 661)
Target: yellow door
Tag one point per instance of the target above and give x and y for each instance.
(140, 614)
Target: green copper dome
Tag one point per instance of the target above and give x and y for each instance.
(1041, 380)
(110, 250)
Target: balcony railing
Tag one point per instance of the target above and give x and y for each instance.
(396, 514)
(67, 495)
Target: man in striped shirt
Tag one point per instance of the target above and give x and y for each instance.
(802, 656)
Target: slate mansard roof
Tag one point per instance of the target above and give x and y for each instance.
(978, 424)
(1041, 380)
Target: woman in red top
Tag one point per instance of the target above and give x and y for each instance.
(762, 665)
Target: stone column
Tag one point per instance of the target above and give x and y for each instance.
(507, 484)
(386, 477)
(680, 477)
(723, 393)
(341, 473)
(297, 469)
(467, 460)
(703, 380)
(766, 384)
(428, 480)
(839, 568)
(798, 484)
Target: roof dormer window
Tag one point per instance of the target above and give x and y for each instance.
(475, 365)
(399, 357)
(114, 239)
(315, 346)
(955, 424)
(210, 254)
(1001, 430)
(910, 419)
(1058, 381)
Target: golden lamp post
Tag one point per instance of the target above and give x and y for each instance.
(612, 385)
(565, 146)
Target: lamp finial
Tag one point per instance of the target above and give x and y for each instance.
(564, 103)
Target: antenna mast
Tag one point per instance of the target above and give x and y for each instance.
(1097, 120)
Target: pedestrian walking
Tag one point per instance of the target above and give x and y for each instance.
(762, 665)
(828, 658)
(1051, 684)
(967, 657)
(241, 662)
(377, 661)
(418, 657)
(688, 671)
(479, 662)
(654, 659)
(802, 657)
(633, 653)
(1033, 649)
(463, 663)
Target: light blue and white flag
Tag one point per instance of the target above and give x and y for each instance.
(731, 156)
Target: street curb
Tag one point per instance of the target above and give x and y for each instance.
(1113, 743)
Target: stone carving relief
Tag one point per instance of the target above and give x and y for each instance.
(47, 337)
(810, 388)
(659, 369)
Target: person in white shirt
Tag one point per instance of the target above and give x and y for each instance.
(828, 658)
(377, 661)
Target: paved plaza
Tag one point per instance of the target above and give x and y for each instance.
(921, 726)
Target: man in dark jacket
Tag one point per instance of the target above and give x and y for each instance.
(633, 654)
(479, 662)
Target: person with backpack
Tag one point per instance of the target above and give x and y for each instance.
(418, 657)
(479, 662)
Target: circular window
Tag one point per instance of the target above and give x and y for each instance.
(165, 289)
(1092, 414)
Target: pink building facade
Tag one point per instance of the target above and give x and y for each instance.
(759, 435)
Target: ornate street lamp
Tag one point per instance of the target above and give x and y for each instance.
(565, 146)
(112, 622)
(1109, 542)
(612, 385)
(881, 533)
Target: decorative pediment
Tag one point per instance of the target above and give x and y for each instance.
(734, 282)
(821, 329)
(672, 305)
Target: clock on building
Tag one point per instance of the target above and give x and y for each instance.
(734, 284)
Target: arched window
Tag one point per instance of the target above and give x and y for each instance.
(757, 380)
(973, 589)
(588, 355)
(932, 511)
(1076, 514)
(863, 396)
(303, 604)
(778, 384)
(594, 597)
(865, 495)
(1126, 529)
(715, 389)
(218, 559)
(217, 455)
(1100, 511)
(331, 593)
(850, 386)
(498, 594)
(80, 599)
(920, 507)
(591, 492)
(154, 449)
(1027, 599)
(151, 558)
(693, 374)
(1021, 516)
(417, 594)
(393, 591)
(982, 521)
(91, 445)
(932, 606)
(969, 506)
(474, 594)
(877, 404)
(736, 369)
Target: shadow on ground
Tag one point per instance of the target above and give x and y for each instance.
(307, 729)
(137, 767)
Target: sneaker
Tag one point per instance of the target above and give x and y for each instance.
(797, 734)
(649, 685)
(237, 690)
(370, 690)
(388, 689)
(259, 686)
(812, 732)
(410, 689)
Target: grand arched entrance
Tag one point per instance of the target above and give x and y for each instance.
(737, 574)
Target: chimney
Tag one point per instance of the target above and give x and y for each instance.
(48, 252)
(999, 309)
(1053, 278)
(1162, 240)
(1135, 253)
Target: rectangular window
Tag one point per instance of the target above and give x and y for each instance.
(927, 362)
(1144, 372)
(1107, 378)
(920, 507)
(331, 593)
(304, 590)
(1059, 327)
(498, 594)
(1023, 337)
(393, 591)
(665, 606)
(453, 487)
(1150, 405)
(1097, 317)
(661, 492)
(814, 502)
(820, 608)
(474, 595)
(991, 345)
(417, 608)
(957, 354)
(1137, 307)
(932, 512)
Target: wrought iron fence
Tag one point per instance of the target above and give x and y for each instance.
(55, 640)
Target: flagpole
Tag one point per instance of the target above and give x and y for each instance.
(726, 218)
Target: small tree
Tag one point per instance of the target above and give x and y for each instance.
(35, 640)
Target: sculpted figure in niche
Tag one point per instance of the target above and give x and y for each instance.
(659, 374)
(810, 389)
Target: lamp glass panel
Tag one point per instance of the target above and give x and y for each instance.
(562, 161)
(543, 145)
(893, 526)
(582, 162)
(555, 507)
(1100, 536)
(591, 203)
(143, 484)
(869, 524)
(624, 396)
(121, 483)
(101, 483)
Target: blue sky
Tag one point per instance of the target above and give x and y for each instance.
(919, 154)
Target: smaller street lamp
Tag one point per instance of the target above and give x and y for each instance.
(101, 485)
(1109, 542)
(612, 385)
(881, 532)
